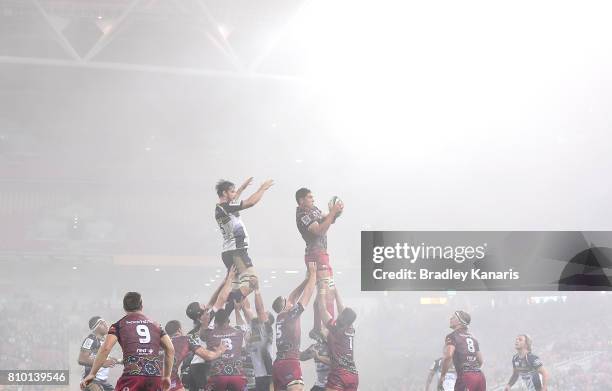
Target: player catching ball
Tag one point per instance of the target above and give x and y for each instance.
(313, 225)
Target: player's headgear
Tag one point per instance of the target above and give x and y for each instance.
(94, 322)
(194, 311)
(222, 316)
(463, 317)
(223, 185)
(528, 341)
(301, 193)
(132, 301)
(279, 304)
(346, 317)
(172, 327)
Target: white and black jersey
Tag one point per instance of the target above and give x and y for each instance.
(450, 378)
(232, 228)
(527, 367)
(92, 344)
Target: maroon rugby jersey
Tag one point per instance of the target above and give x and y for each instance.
(288, 333)
(466, 347)
(140, 340)
(230, 362)
(303, 218)
(183, 345)
(341, 347)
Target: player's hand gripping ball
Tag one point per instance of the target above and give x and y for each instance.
(335, 200)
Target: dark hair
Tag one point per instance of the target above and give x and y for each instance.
(346, 318)
(93, 321)
(463, 317)
(193, 311)
(270, 319)
(279, 304)
(222, 316)
(301, 193)
(132, 301)
(222, 186)
(172, 327)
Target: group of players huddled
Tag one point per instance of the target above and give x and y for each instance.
(459, 367)
(217, 355)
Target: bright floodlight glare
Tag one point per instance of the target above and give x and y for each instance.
(418, 77)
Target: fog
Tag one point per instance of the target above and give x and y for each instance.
(117, 118)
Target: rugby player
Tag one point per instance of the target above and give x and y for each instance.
(235, 236)
(286, 370)
(527, 366)
(89, 349)
(461, 347)
(259, 341)
(320, 353)
(141, 340)
(434, 372)
(340, 334)
(183, 346)
(313, 225)
(226, 372)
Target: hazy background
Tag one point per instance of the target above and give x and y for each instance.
(118, 117)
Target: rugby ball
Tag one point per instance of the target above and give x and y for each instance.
(334, 200)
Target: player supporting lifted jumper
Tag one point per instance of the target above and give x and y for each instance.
(462, 348)
(141, 340)
(286, 370)
(313, 226)
(183, 346)
(527, 366)
(235, 236)
(340, 334)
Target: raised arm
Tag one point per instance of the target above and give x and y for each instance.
(321, 229)
(246, 310)
(255, 197)
(321, 307)
(297, 292)
(259, 306)
(225, 289)
(215, 296)
(339, 303)
(246, 183)
(310, 285)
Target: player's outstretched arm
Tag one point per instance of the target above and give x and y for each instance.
(100, 359)
(246, 310)
(255, 197)
(215, 295)
(297, 292)
(260, 309)
(225, 289)
(512, 380)
(210, 355)
(246, 183)
(449, 350)
(310, 285)
(545, 377)
(321, 229)
(339, 303)
(321, 307)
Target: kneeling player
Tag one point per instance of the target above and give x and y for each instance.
(462, 348)
(235, 236)
(286, 370)
(528, 366)
(343, 375)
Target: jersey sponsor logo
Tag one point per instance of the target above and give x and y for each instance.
(306, 219)
(87, 343)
